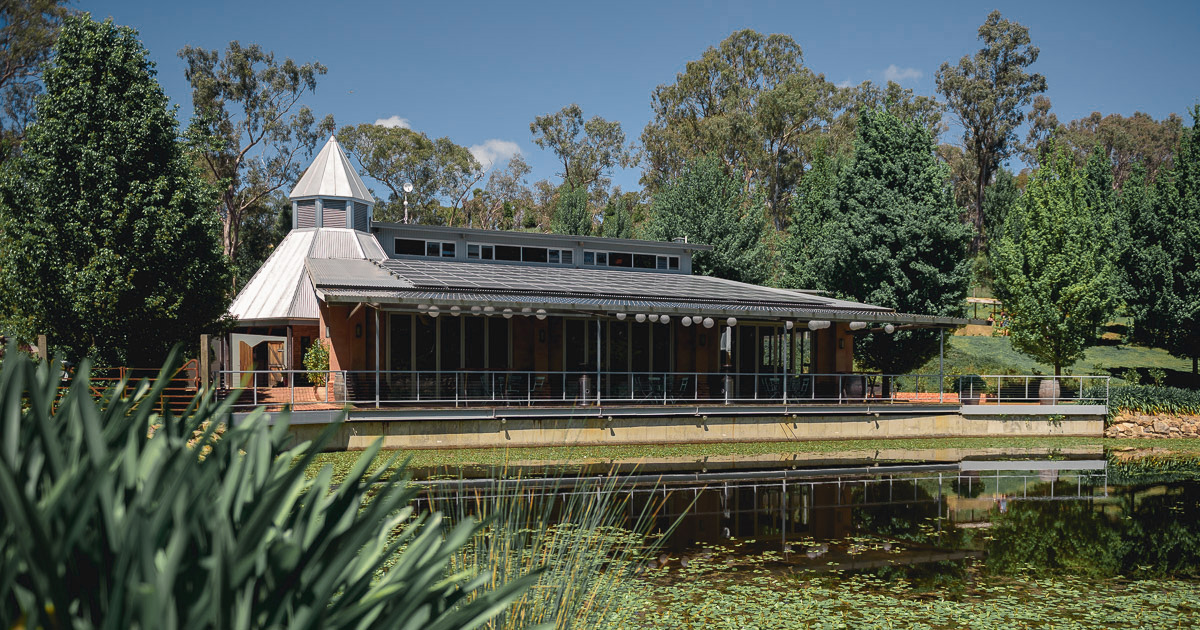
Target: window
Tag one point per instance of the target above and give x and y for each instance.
(601, 258)
(410, 247)
(560, 256)
(433, 248)
(508, 252)
(619, 259)
(673, 262)
(447, 250)
(589, 258)
(552, 256)
(475, 251)
(643, 261)
(568, 257)
(533, 254)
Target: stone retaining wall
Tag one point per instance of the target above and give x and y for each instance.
(1153, 426)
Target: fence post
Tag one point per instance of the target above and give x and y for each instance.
(203, 364)
(42, 349)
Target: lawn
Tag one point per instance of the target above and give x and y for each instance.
(995, 355)
(565, 456)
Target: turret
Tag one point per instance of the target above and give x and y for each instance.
(331, 194)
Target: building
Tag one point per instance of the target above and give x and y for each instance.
(428, 321)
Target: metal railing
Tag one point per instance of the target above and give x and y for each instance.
(589, 387)
(1044, 390)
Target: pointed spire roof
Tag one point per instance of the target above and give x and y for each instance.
(331, 175)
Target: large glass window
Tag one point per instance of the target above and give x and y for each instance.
(619, 259)
(497, 343)
(474, 346)
(476, 251)
(451, 342)
(409, 247)
(643, 261)
(508, 252)
(426, 342)
(400, 342)
(533, 254)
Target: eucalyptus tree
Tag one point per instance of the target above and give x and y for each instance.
(588, 150)
(109, 239)
(439, 170)
(1055, 264)
(987, 93)
(255, 133)
(28, 29)
(751, 102)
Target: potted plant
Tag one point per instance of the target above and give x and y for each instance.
(316, 361)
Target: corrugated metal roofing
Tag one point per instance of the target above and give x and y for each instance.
(468, 276)
(281, 288)
(518, 301)
(332, 175)
(352, 273)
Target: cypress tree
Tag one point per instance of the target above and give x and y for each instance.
(895, 238)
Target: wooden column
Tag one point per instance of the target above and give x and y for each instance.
(203, 364)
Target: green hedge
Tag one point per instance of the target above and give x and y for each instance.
(1150, 399)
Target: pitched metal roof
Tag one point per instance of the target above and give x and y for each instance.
(610, 284)
(281, 289)
(331, 175)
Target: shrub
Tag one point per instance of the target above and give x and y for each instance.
(103, 525)
(316, 361)
(1148, 399)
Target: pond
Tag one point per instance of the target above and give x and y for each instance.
(979, 543)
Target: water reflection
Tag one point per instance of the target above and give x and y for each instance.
(922, 521)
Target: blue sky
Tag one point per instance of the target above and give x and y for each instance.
(479, 72)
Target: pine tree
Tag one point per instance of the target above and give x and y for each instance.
(894, 238)
(1055, 264)
(111, 238)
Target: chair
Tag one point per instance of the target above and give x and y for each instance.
(681, 392)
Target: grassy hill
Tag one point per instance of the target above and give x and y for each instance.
(995, 355)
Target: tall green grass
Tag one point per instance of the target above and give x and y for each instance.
(1151, 399)
(588, 537)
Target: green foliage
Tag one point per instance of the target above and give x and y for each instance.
(1055, 265)
(988, 93)
(316, 361)
(1072, 537)
(571, 212)
(813, 205)
(998, 200)
(108, 241)
(263, 228)
(587, 150)
(707, 205)
(438, 169)
(892, 238)
(618, 218)
(1162, 270)
(28, 29)
(252, 132)
(1153, 399)
(106, 527)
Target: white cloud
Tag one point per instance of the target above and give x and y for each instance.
(494, 151)
(394, 121)
(897, 74)
(844, 84)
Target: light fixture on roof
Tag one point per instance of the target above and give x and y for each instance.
(653, 317)
(508, 313)
(408, 187)
(708, 322)
(455, 311)
(527, 311)
(541, 313)
(664, 319)
(489, 309)
(858, 325)
(434, 311)
(732, 321)
(422, 307)
(686, 321)
(889, 328)
(621, 317)
(640, 317)
(696, 319)
(476, 309)
(818, 324)
(788, 324)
